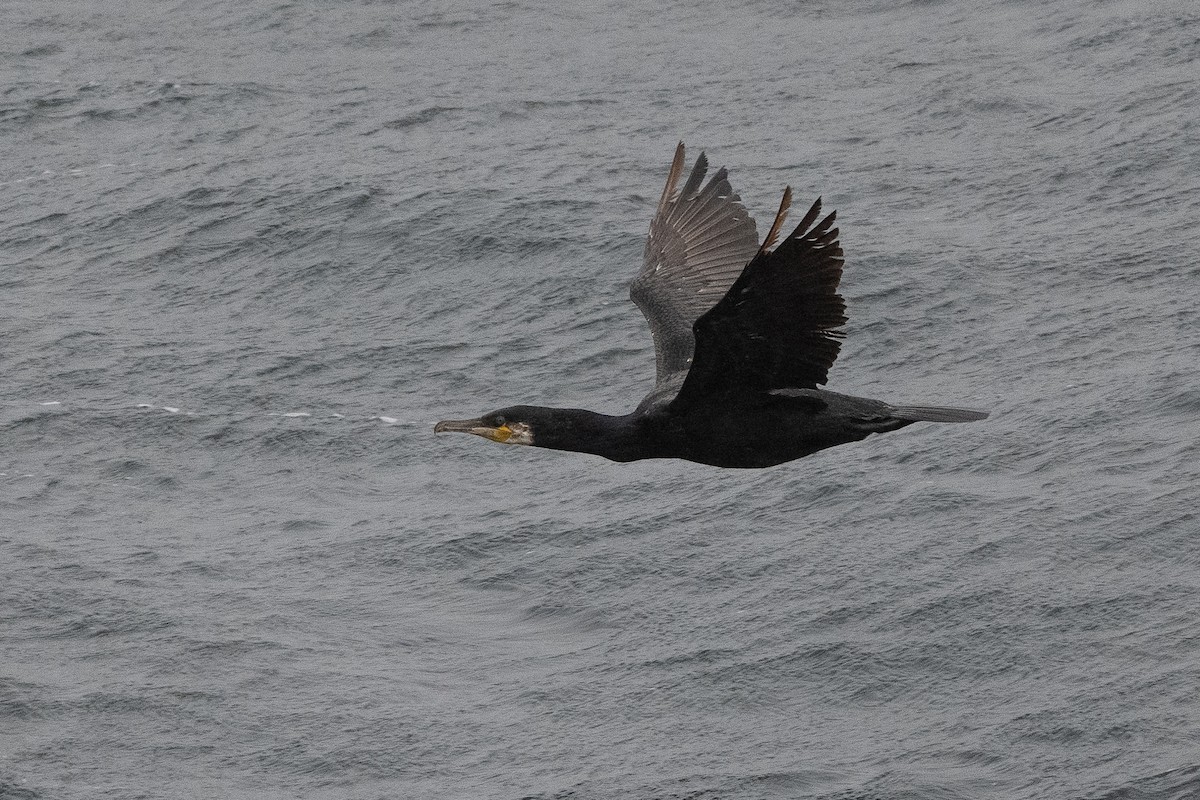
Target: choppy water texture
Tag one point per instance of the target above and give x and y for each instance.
(252, 251)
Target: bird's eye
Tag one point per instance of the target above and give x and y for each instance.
(499, 421)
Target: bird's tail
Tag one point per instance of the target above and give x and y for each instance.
(935, 414)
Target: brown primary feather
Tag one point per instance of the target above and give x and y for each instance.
(668, 193)
(780, 218)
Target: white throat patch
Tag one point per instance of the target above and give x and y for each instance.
(522, 433)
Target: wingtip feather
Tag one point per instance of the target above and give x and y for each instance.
(780, 218)
(668, 194)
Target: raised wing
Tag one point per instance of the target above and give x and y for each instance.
(776, 326)
(700, 240)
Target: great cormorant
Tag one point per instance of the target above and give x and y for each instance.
(743, 335)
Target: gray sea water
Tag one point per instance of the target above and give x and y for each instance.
(251, 252)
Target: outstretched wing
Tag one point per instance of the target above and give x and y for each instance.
(776, 326)
(700, 240)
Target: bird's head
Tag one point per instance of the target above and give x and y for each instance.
(514, 425)
(554, 428)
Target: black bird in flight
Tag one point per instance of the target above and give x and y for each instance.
(743, 336)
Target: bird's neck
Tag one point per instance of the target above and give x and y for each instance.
(582, 431)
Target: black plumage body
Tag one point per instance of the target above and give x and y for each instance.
(763, 430)
(755, 431)
(744, 334)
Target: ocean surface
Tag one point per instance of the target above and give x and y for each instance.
(251, 252)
